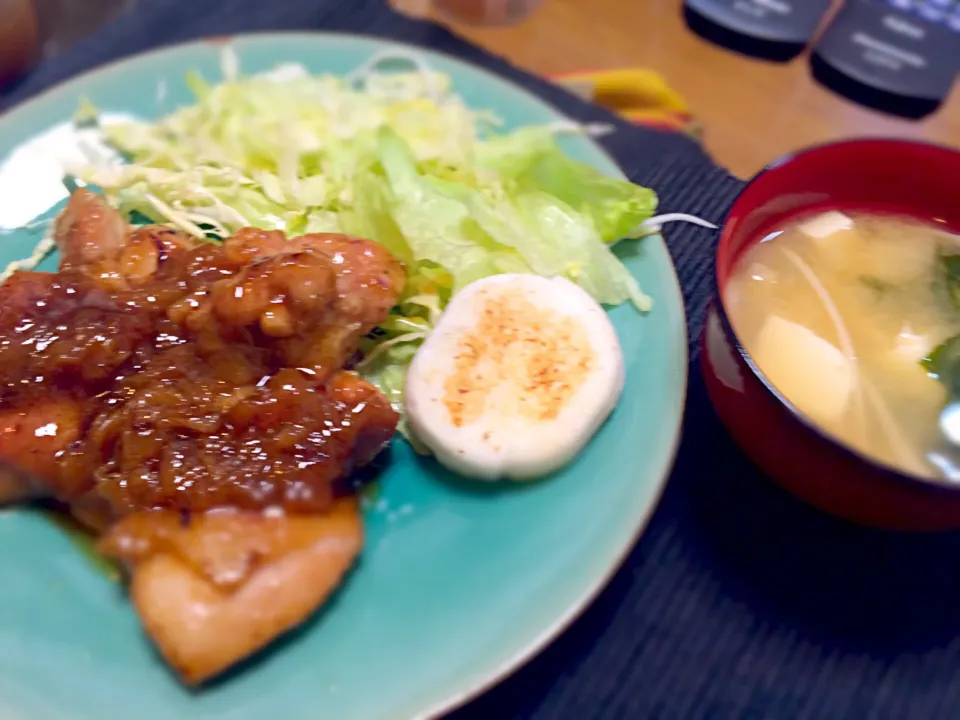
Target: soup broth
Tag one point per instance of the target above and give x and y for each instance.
(855, 319)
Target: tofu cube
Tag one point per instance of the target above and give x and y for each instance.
(811, 372)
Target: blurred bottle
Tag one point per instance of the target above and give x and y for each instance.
(31, 30)
(470, 12)
(19, 39)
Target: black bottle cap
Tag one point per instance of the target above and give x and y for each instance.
(775, 30)
(898, 61)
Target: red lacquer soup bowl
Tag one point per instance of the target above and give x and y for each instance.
(914, 179)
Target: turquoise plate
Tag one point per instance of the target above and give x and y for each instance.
(457, 586)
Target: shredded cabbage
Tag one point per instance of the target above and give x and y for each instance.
(396, 157)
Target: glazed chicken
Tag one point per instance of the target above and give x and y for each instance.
(189, 402)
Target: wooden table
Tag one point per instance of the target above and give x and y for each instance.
(752, 111)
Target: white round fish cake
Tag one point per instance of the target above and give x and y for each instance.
(517, 376)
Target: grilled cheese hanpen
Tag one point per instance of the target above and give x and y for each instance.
(518, 375)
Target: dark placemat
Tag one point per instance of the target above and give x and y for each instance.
(738, 602)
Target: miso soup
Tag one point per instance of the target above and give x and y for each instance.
(855, 319)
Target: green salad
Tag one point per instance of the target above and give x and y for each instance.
(396, 157)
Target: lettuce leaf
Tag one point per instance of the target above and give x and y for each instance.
(398, 159)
